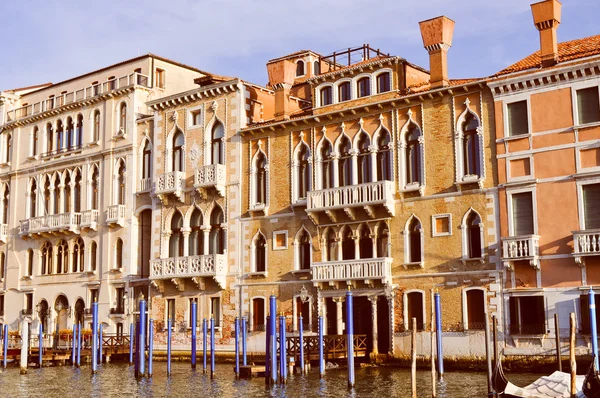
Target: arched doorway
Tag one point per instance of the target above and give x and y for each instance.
(42, 309)
(61, 306)
(79, 310)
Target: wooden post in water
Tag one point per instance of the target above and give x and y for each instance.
(24, 346)
(557, 335)
(573, 363)
(432, 342)
(413, 354)
(488, 356)
(495, 334)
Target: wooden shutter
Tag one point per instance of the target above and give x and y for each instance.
(517, 118)
(522, 209)
(584, 306)
(588, 105)
(591, 206)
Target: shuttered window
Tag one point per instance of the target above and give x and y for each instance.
(522, 213)
(584, 305)
(517, 118)
(591, 206)
(588, 105)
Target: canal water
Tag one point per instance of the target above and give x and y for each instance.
(117, 380)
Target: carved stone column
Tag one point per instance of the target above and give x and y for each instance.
(373, 155)
(339, 302)
(336, 167)
(205, 239)
(356, 238)
(373, 300)
(186, 240)
(354, 160)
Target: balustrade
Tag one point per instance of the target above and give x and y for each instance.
(51, 223)
(186, 267)
(347, 270)
(115, 215)
(373, 193)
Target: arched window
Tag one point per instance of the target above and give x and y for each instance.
(33, 199)
(348, 246)
(326, 166)
(326, 96)
(475, 306)
(218, 133)
(29, 269)
(261, 179)
(60, 143)
(383, 82)
(345, 162)
(96, 131)
(364, 159)
(316, 68)
(123, 118)
(147, 160)
(2, 264)
(67, 196)
(365, 243)
(303, 247)
(79, 132)
(49, 137)
(470, 147)
(196, 240)
(302, 172)
(57, 196)
(34, 141)
(77, 192)
(331, 247)
(363, 86)
(176, 238)
(260, 253)
(344, 92)
(78, 256)
(414, 241)
(472, 237)
(178, 143)
(62, 257)
(413, 155)
(95, 188)
(93, 256)
(119, 253)
(70, 136)
(382, 240)
(47, 197)
(217, 233)
(5, 202)
(46, 263)
(300, 68)
(9, 148)
(384, 157)
(121, 189)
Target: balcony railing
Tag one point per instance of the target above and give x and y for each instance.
(366, 269)
(67, 222)
(78, 95)
(586, 243)
(171, 182)
(145, 185)
(89, 219)
(62, 151)
(369, 194)
(212, 175)
(115, 215)
(186, 267)
(3, 232)
(524, 247)
(117, 311)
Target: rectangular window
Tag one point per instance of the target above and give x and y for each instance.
(280, 240)
(171, 311)
(442, 225)
(195, 117)
(304, 310)
(584, 305)
(93, 296)
(119, 300)
(588, 105)
(258, 314)
(215, 310)
(522, 213)
(28, 303)
(517, 118)
(527, 315)
(591, 201)
(1, 305)
(160, 78)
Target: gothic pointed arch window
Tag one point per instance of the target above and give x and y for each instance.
(70, 134)
(68, 194)
(33, 199)
(62, 257)
(77, 260)
(472, 231)
(413, 155)
(47, 197)
(77, 192)
(96, 129)
(260, 182)
(121, 180)
(303, 250)
(301, 171)
(49, 138)
(217, 233)
(331, 247)
(9, 148)
(259, 253)
(57, 196)
(470, 146)
(365, 242)
(122, 118)
(5, 204)
(147, 160)
(384, 156)
(79, 132)
(217, 138)
(60, 139)
(364, 159)
(46, 259)
(348, 245)
(176, 238)
(178, 144)
(196, 239)
(413, 241)
(34, 141)
(345, 162)
(95, 187)
(327, 171)
(382, 240)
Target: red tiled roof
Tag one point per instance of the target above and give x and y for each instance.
(567, 51)
(426, 86)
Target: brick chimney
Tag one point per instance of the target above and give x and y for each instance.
(546, 18)
(281, 79)
(437, 39)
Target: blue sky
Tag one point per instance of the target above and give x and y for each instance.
(55, 40)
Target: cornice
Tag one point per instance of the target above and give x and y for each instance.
(195, 94)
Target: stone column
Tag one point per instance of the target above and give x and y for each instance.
(340, 254)
(373, 155)
(72, 197)
(52, 199)
(186, 241)
(374, 242)
(339, 302)
(336, 167)
(373, 300)
(61, 203)
(354, 162)
(356, 238)
(205, 239)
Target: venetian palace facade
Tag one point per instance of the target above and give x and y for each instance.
(355, 170)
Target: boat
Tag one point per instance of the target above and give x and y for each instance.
(591, 385)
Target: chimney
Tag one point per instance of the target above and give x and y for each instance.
(437, 39)
(546, 18)
(281, 79)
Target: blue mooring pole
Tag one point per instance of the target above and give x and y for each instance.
(150, 346)
(593, 327)
(204, 331)
(5, 345)
(194, 310)
(100, 344)
(169, 347)
(350, 333)
(438, 328)
(79, 326)
(94, 337)
(237, 347)
(273, 342)
(131, 340)
(301, 337)
(282, 350)
(41, 343)
(142, 333)
(321, 359)
(72, 345)
(268, 351)
(244, 348)
(212, 347)
(136, 349)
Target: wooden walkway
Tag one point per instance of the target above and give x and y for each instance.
(335, 347)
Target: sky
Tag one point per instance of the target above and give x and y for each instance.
(51, 41)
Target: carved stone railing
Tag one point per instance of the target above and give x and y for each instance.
(89, 219)
(212, 175)
(3, 232)
(524, 247)
(586, 243)
(361, 195)
(145, 185)
(170, 183)
(63, 222)
(211, 265)
(366, 269)
(115, 215)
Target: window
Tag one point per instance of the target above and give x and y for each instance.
(584, 305)
(46, 264)
(62, 257)
(176, 238)
(93, 256)
(331, 246)
(365, 242)
(441, 224)
(522, 213)
(78, 256)
(217, 233)
(34, 141)
(345, 162)
(119, 304)
(196, 240)
(160, 78)
(147, 160)
(591, 203)
(302, 310)
(413, 155)
(95, 188)
(303, 250)
(475, 303)
(326, 96)
(348, 246)
(70, 134)
(302, 171)
(470, 146)
(588, 105)
(122, 119)
(344, 92)
(363, 86)
(2, 308)
(300, 68)
(96, 131)
(29, 303)
(93, 296)
(171, 311)
(215, 310)
(415, 309)
(67, 196)
(121, 189)
(49, 137)
(364, 159)
(327, 173)
(280, 240)
(111, 83)
(473, 232)
(178, 143)
(29, 269)
(196, 117)
(60, 143)
(517, 118)
(33, 199)
(5, 203)
(259, 247)
(8, 151)
(383, 82)
(316, 68)
(2, 264)
(382, 240)
(77, 192)
(190, 312)
(527, 315)
(413, 242)
(79, 132)
(144, 242)
(384, 157)
(258, 314)
(119, 254)
(261, 179)
(218, 133)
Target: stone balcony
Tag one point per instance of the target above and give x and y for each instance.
(194, 267)
(115, 216)
(211, 176)
(169, 183)
(524, 247)
(586, 243)
(350, 199)
(3, 232)
(51, 224)
(89, 219)
(366, 270)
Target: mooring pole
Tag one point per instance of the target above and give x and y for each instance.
(194, 310)
(557, 335)
(150, 346)
(94, 337)
(4, 345)
(244, 337)
(432, 348)
(212, 347)
(237, 347)
(40, 344)
(169, 333)
(573, 362)
(142, 334)
(350, 336)
(321, 359)
(495, 337)
(488, 356)
(273, 342)
(137, 351)
(204, 332)
(301, 337)
(413, 357)
(593, 329)
(282, 350)
(72, 346)
(79, 326)
(24, 348)
(131, 340)
(439, 332)
(100, 345)
(268, 351)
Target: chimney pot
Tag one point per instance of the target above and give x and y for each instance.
(546, 18)
(437, 38)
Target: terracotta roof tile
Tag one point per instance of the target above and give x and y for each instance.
(567, 51)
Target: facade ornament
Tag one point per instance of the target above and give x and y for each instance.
(214, 106)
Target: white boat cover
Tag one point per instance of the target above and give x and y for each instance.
(555, 385)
